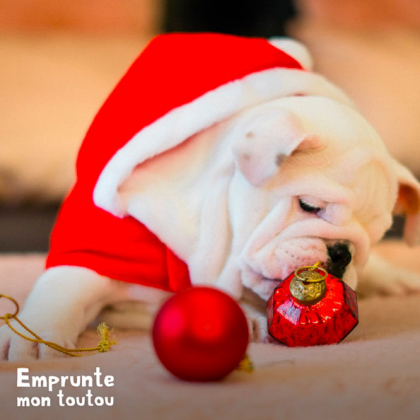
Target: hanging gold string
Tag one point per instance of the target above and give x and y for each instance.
(107, 340)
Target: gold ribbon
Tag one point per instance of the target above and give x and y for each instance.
(103, 346)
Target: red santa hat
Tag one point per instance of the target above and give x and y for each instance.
(179, 85)
(182, 84)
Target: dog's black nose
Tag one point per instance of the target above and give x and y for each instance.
(340, 257)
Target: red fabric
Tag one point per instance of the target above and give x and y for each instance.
(121, 249)
(172, 71)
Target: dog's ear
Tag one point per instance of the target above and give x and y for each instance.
(408, 203)
(263, 140)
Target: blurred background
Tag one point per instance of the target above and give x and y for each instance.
(60, 59)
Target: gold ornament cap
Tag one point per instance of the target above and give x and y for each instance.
(308, 284)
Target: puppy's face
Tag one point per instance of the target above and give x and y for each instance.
(313, 182)
(277, 187)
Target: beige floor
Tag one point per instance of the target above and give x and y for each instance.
(373, 374)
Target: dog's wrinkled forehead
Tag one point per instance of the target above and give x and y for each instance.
(291, 143)
(308, 122)
(323, 151)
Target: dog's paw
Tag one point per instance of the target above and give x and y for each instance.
(383, 278)
(257, 324)
(15, 348)
(258, 329)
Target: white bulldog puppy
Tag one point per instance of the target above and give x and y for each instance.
(278, 184)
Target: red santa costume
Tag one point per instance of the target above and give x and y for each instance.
(179, 85)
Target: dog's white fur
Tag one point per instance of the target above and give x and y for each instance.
(227, 202)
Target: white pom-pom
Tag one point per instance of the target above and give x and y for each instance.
(295, 49)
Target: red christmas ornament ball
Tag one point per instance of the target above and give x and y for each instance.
(200, 334)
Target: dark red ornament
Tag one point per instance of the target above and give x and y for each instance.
(200, 334)
(311, 307)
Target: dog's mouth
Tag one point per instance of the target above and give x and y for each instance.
(332, 269)
(338, 258)
(335, 265)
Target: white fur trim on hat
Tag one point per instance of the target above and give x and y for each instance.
(214, 106)
(295, 49)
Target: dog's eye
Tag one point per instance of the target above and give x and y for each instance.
(308, 207)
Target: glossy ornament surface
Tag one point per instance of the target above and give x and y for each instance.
(200, 334)
(297, 321)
